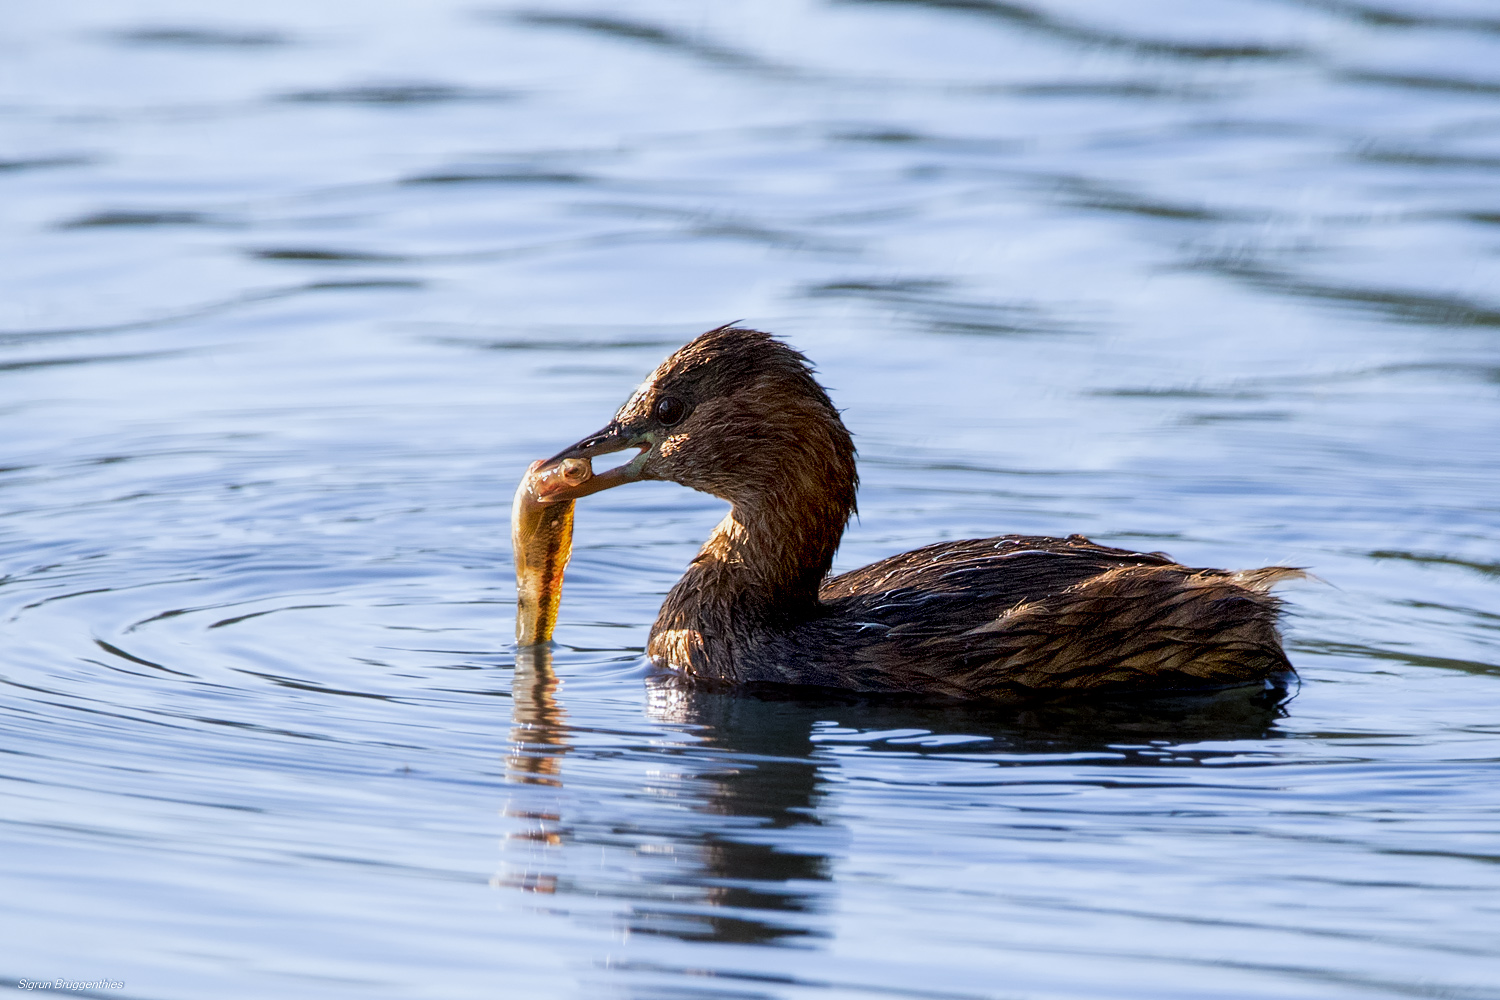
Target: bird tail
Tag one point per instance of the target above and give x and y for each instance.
(1263, 579)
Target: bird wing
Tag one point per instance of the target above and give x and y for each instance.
(997, 571)
(1009, 617)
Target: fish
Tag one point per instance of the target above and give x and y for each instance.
(541, 535)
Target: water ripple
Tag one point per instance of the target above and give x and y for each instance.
(1216, 278)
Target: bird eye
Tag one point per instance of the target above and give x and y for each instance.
(669, 410)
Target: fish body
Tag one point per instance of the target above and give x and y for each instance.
(542, 537)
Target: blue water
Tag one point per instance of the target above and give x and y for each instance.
(293, 292)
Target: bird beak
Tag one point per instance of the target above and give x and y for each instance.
(555, 488)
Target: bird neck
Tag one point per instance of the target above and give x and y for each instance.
(765, 561)
(791, 492)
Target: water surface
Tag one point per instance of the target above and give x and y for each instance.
(294, 292)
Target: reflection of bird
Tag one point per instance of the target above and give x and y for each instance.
(738, 414)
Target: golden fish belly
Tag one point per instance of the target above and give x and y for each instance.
(542, 538)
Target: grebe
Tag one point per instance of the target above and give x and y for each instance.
(1010, 619)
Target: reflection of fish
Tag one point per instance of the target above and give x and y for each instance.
(538, 743)
(539, 738)
(542, 536)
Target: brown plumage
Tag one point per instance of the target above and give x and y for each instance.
(1011, 619)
